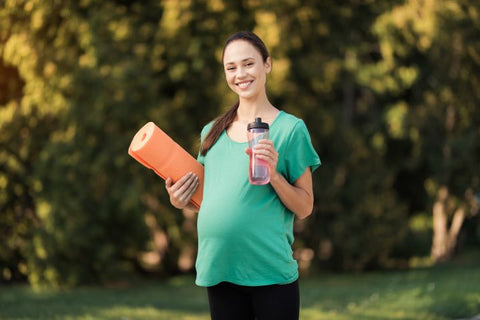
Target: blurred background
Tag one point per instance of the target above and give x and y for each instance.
(390, 91)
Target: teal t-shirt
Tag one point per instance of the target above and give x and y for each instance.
(245, 233)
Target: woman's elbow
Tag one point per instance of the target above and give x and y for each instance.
(305, 211)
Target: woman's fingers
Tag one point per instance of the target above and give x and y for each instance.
(187, 195)
(266, 150)
(182, 191)
(173, 187)
(185, 190)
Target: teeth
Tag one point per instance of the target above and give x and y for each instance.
(243, 85)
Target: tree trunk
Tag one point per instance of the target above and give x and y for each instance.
(439, 243)
(445, 238)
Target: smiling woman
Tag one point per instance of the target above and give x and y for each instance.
(245, 231)
(246, 70)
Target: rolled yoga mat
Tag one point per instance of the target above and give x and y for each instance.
(154, 149)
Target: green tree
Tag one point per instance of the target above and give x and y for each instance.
(329, 45)
(436, 45)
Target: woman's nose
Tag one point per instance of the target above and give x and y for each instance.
(241, 72)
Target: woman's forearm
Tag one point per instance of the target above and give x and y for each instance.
(298, 198)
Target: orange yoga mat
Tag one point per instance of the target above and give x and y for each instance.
(157, 151)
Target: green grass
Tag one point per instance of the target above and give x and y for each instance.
(444, 292)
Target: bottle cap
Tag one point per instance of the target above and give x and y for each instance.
(258, 124)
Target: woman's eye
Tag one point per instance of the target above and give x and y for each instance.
(230, 68)
(249, 64)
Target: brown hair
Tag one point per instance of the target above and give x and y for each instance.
(225, 120)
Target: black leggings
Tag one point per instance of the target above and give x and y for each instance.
(229, 301)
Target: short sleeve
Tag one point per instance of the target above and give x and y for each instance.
(203, 134)
(300, 153)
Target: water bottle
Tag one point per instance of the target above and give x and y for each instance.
(259, 170)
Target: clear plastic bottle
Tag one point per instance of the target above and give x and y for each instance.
(259, 170)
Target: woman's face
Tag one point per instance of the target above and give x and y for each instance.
(245, 70)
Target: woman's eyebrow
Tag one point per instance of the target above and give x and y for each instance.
(241, 61)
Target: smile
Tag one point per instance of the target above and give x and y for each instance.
(244, 84)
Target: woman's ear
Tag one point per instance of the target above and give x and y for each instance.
(268, 64)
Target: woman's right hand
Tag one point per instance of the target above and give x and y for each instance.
(182, 191)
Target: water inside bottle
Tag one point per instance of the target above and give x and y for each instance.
(259, 171)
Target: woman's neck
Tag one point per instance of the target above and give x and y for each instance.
(249, 110)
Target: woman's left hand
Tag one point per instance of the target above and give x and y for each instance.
(265, 150)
